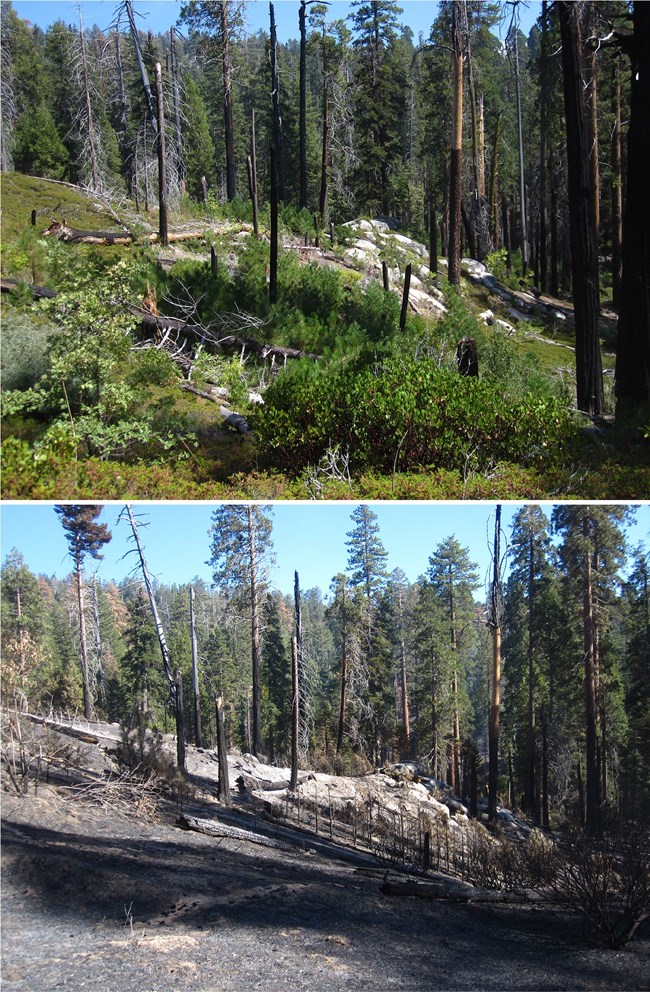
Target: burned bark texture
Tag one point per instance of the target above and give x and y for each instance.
(584, 246)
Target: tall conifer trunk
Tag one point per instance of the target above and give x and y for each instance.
(456, 162)
(584, 246)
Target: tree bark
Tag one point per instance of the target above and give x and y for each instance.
(162, 166)
(231, 178)
(255, 638)
(180, 165)
(253, 173)
(522, 177)
(633, 344)
(224, 782)
(456, 163)
(303, 104)
(543, 208)
(295, 715)
(180, 721)
(278, 141)
(589, 684)
(83, 641)
(162, 641)
(195, 673)
(92, 136)
(322, 202)
(273, 260)
(617, 188)
(584, 247)
(495, 701)
(151, 112)
(405, 298)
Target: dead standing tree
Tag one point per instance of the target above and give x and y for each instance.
(174, 695)
(85, 537)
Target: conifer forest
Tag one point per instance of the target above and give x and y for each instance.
(325, 495)
(348, 262)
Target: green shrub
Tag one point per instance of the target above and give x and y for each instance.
(406, 414)
(153, 368)
(24, 350)
(374, 311)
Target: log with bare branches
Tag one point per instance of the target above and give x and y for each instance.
(72, 235)
(215, 829)
(219, 336)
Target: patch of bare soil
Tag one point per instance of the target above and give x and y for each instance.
(95, 900)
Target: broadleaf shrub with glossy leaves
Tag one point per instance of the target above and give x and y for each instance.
(406, 413)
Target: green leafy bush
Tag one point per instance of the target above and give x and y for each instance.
(153, 368)
(406, 414)
(24, 350)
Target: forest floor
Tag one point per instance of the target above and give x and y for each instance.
(103, 898)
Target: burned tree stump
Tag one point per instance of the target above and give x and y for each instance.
(467, 357)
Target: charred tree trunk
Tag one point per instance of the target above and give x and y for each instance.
(162, 641)
(617, 189)
(531, 790)
(101, 685)
(273, 261)
(507, 241)
(255, 638)
(303, 728)
(592, 105)
(495, 701)
(148, 95)
(456, 164)
(633, 346)
(322, 201)
(295, 715)
(162, 166)
(591, 758)
(543, 209)
(224, 781)
(180, 721)
(405, 298)
(253, 177)
(302, 203)
(231, 179)
(522, 177)
(433, 238)
(494, 210)
(584, 246)
(195, 673)
(178, 140)
(278, 141)
(83, 641)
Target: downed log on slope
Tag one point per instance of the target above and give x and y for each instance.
(38, 292)
(236, 420)
(62, 728)
(442, 887)
(72, 235)
(229, 342)
(212, 828)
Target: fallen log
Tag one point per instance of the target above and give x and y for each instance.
(38, 292)
(72, 235)
(236, 420)
(442, 887)
(62, 728)
(229, 342)
(212, 828)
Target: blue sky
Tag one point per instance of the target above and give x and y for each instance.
(308, 537)
(159, 15)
